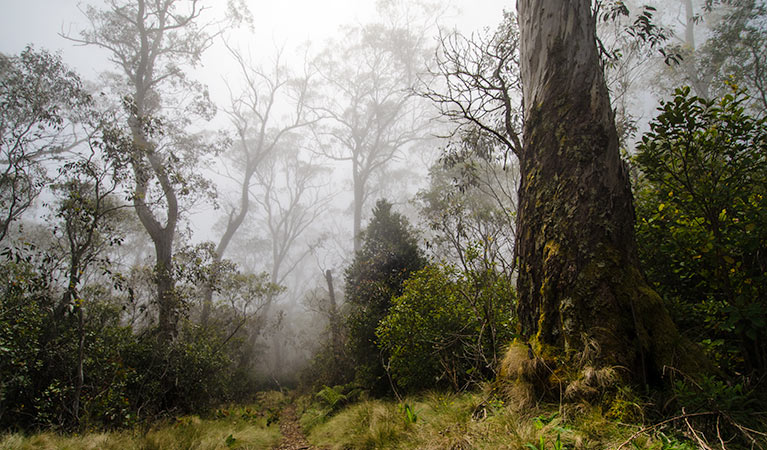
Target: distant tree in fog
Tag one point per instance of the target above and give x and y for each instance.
(372, 115)
(271, 108)
(291, 198)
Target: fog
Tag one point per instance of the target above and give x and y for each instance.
(301, 219)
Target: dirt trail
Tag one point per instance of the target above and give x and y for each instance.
(292, 436)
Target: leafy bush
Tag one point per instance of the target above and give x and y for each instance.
(702, 232)
(447, 328)
(127, 376)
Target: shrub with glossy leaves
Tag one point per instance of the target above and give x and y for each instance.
(702, 228)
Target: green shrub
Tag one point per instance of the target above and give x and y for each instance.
(127, 377)
(388, 256)
(447, 328)
(702, 228)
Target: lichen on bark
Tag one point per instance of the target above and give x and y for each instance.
(582, 298)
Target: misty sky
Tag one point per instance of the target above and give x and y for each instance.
(288, 22)
(277, 23)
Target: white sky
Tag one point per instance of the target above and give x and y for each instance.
(288, 22)
(278, 23)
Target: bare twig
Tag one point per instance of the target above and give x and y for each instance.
(651, 427)
(700, 440)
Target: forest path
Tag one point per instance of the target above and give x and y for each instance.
(292, 436)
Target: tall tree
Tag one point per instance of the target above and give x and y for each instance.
(372, 115)
(580, 287)
(389, 255)
(149, 41)
(291, 198)
(260, 128)
(88, 213)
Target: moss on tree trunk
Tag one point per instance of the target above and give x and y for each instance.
(582, 295)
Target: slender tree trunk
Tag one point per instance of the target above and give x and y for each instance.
(580, 288)
(699, 80)
(167, 321)
(233, 224)
(335, 323)
(80, 380)
(71, 297)
(359, 199)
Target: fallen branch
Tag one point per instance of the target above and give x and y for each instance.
(700, 440)
(651, 427)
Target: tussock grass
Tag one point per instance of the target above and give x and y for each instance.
(476, 420)
(246, 426)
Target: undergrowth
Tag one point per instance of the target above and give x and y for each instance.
(477, 420)
(240, 427)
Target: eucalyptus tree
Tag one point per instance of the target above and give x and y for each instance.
(41, 103)
(475, 84)
(149, 42)
(89, 214)
(717, 41)
(470, 207)
(739, 40)
(372, 115)
(291, 196)
(270, 109)
(579, 285)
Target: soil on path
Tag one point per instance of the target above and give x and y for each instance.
(292, 436)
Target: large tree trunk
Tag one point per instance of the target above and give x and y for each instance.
(581, 293)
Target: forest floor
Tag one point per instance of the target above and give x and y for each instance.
(428, 421)
(293, 437)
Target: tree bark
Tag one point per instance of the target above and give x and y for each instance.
(581, 293)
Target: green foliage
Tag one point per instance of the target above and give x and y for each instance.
(702, 228)
(388, 256)
(23, 321)
(737, 47)
(468, 205)
(712, 394)
(127, 377)
(447, 328)
(332, 397)
(39, 98)
(409, 414)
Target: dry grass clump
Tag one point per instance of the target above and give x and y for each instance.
(54, 441)
(591, 383)
(449, 421)
(523, 375)
(369, 424)
(240, 427)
